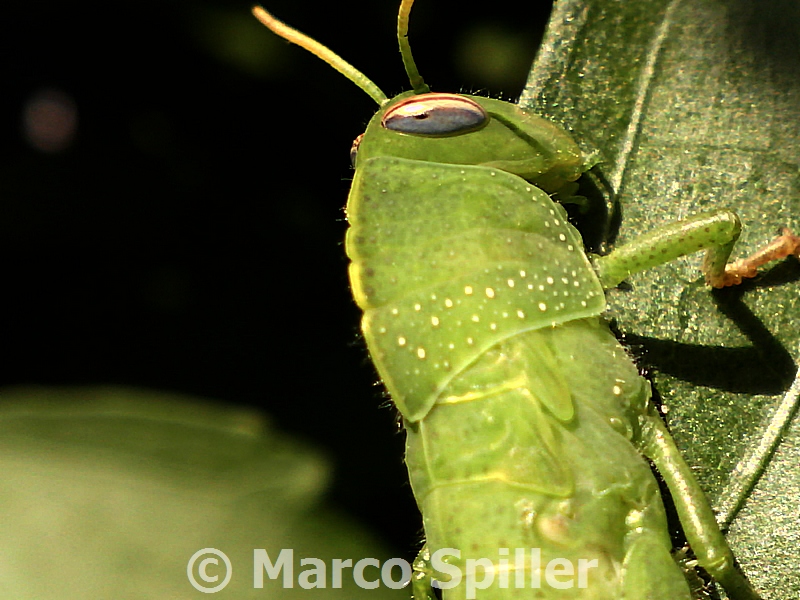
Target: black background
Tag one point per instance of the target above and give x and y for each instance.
(190, 237)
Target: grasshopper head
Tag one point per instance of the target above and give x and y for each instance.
(471, 130)
(451, 128)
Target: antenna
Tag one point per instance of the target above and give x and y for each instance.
(333, 59)
(419, 85)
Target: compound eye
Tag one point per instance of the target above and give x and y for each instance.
(437, 115)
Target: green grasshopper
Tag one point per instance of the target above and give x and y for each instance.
(528, 425)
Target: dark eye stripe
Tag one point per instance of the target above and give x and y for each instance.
(354, 149)
(435, 115)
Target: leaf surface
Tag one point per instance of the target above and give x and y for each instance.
(691, 107)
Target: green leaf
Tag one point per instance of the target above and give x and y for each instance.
(689, 107)
(108, 492)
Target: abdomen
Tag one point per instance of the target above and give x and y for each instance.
(534, 446)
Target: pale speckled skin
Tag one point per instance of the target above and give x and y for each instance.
(482, 315)
(447, 260)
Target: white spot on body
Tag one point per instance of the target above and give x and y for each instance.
(490, 292)
(421, 352)
(468, 290)
(401, 341)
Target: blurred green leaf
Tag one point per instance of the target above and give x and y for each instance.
(108, 492)
(694, 106)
